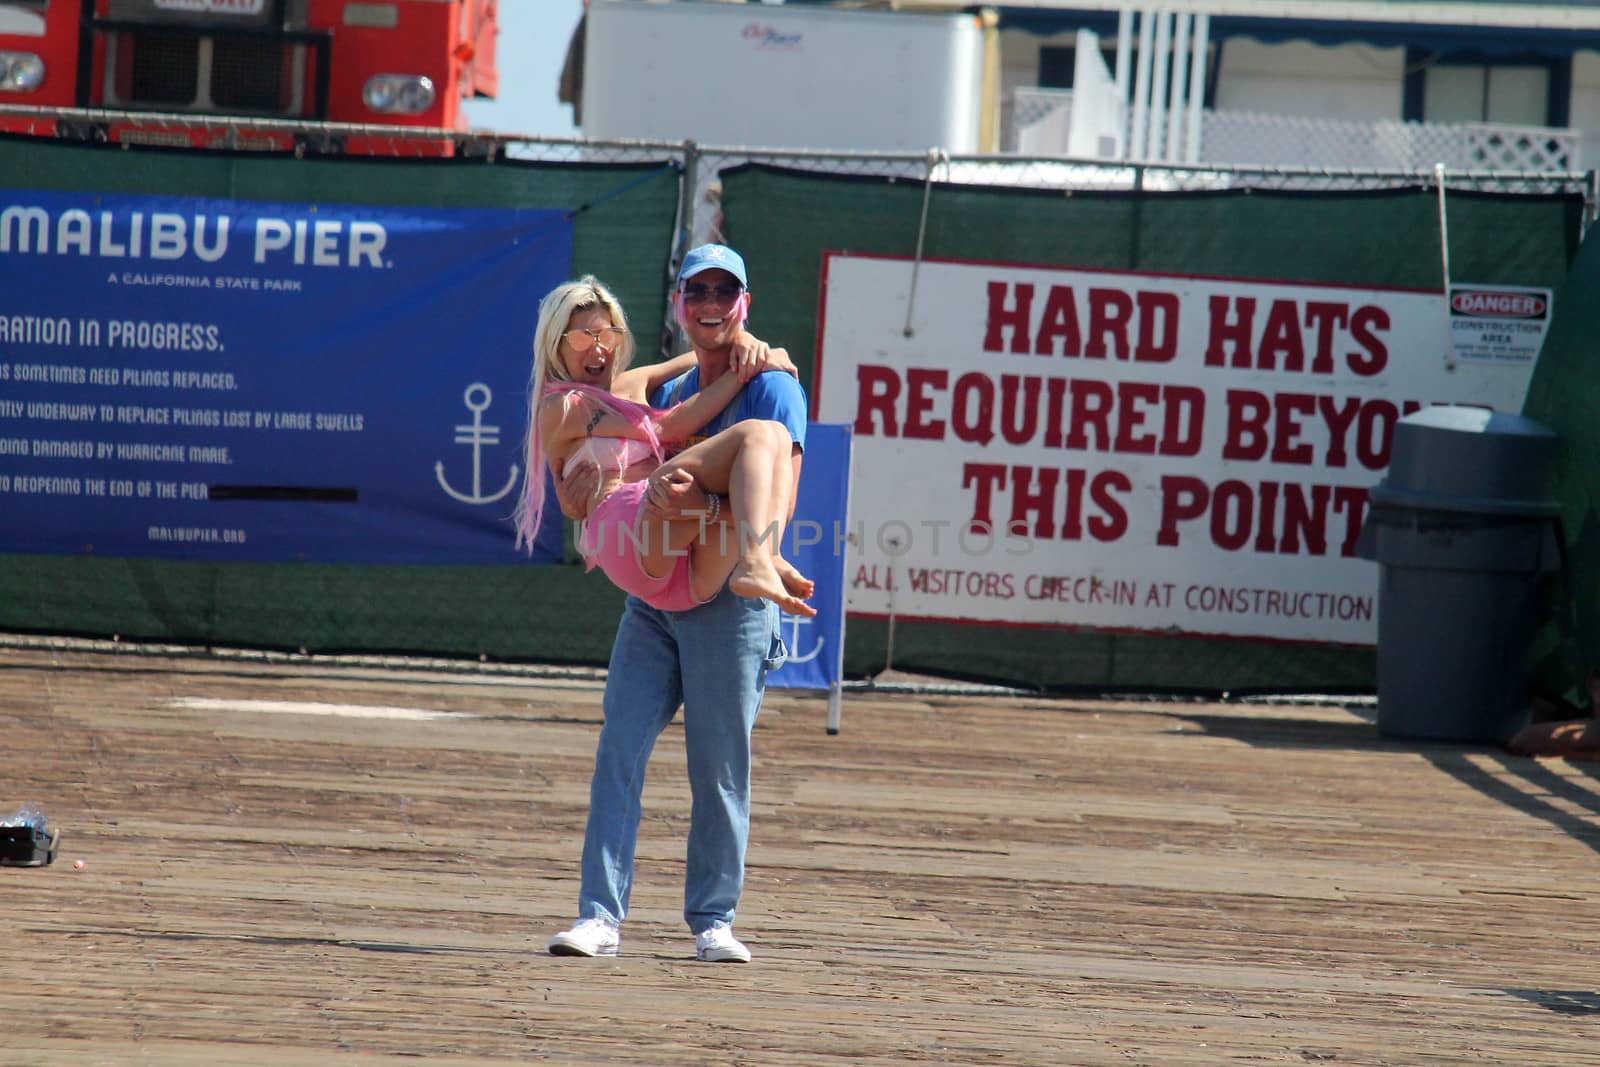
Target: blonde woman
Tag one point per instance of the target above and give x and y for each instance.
(588, 407)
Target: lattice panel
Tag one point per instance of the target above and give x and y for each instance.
(1522, 148)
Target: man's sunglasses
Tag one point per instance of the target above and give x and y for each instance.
(583, 340)
(697, 293)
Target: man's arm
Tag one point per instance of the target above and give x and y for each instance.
(576, 490)
(676, 494)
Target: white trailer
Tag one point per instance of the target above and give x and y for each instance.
(782, 76)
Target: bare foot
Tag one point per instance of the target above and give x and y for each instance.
(793, 580)
(758, 578)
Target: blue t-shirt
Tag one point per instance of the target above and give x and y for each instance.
(771, 395)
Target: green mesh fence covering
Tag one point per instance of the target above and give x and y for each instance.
(783, 220)
(1564, 396)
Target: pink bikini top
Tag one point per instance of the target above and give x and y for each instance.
(612, 453)
(615, 453)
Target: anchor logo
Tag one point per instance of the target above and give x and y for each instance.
(477, 399)
(794, 639)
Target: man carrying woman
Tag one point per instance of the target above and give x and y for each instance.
(710, 658)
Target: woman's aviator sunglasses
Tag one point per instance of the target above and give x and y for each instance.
(583, 340)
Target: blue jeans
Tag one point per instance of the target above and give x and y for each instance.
(713, 661)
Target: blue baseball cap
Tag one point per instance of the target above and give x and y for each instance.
(713, 257)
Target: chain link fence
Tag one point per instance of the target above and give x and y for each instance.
(1482, 164)
(1073, 175)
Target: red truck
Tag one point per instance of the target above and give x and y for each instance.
(398, 63)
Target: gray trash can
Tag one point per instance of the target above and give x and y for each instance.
(1461, 527)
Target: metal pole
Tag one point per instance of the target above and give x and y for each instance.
(688, 183)
(686, 202)
(1444, 266)
(888, 652)
(935, 155)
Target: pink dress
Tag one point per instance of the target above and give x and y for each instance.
(612, 538)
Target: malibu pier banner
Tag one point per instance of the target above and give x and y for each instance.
(1142, 452)
(251, 381)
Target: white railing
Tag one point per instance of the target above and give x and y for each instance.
(1039, 122)
(1295, 140)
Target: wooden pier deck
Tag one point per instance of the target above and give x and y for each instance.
(311, 863)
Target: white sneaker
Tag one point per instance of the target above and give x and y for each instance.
(718, 945)
(588, 937)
